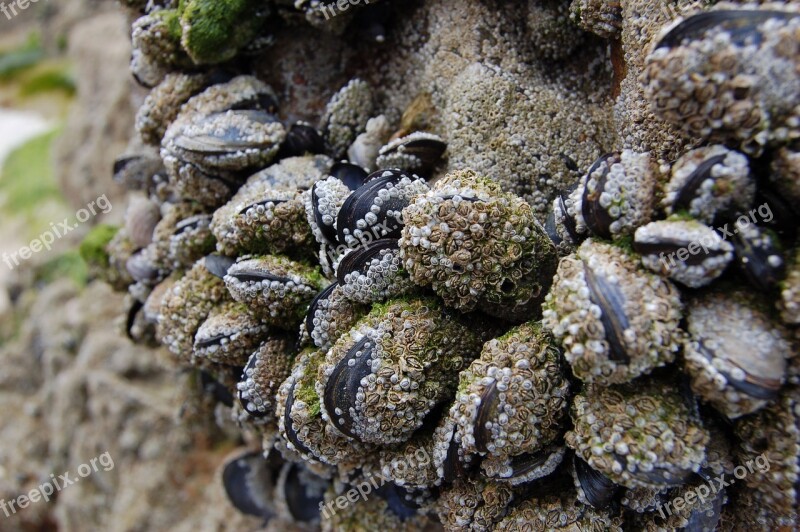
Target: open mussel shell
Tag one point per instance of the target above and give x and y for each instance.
(343, 385)
(218, 265)
(301, 139)
(249, 484)
(740, 24)
(418, 152)
(759, 255)
(597, 489)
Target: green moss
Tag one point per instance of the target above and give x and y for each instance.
(27, 178)
(49, 80)
(17, 60)
(305, 390)
(172, 19)
(93, 248)
(213, 31)
(69, 265)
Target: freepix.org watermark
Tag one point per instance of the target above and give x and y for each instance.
(710, 488)
(340, 6)
(420, 458)
(15, 7)
(703, 245)
(51, 487)
(45, 241)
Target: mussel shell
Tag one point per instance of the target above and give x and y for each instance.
(659, 475)
(343, 384)
(141, 267)
(218, 265)
(671, 245)
(252, 275)
(740, 24)
(611, 301)
(302, 506)
(262, 202)
(690, 189)
(245, 479)
(288, 424)
(359, 259)
(358, 204)
(328, 231)
(784, 217)
(550, 228)
(398, 499)
(213, 388)
(230, 138)
(300, 140)
(251, 364)
(568, 220)
(486, 411)
(312, 308)
(197, 221)
(350, 174)
(130, 319)
(756, 387)
(524, 466)
(597, 488)
(754, 249)
(428, 150)
(597, 219)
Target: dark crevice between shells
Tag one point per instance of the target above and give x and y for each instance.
(133, 311)
(752, 254)
(212, 387)
(399, 500)
(343, 384)
(611, 301)
(300, 140)
(597, 219)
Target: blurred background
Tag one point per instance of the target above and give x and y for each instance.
(71, 386)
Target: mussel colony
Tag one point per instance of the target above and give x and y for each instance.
(576, 344)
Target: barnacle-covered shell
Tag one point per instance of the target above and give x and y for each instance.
(411, 464)
(300, 421)
(474, 504)
(685, 251)
(591, 486)
(709, 183)
(616, 195)
(140, 220)
(234, 140)
(558, 512)
(330, 315)
(381, 379)
(374, 210)
(789, 303)
(523, 468)
(264, 372)
(262, 219)
(758, 254)
(474, 243)
(735, 355)
(615, 320)
(600, 17)
(729, 75)
(637, 434)
(770, 445)
(514, 398)
(181, 237)
(346, 116)
(418, 152)
(228, 336)
(274, 287)
(164, 102)
(186, 306)
(155, 39)
(373, 272)
(322, 204)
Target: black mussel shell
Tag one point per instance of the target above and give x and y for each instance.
(428, 150)
(344, 382)
(784, 218)
(312, 308)
(701, 520)
(358, 204)
(193, 222)
(212, 387)
(247, 483)
(671, 245)
(350, 174)
(301, 139)
(611, 301)
(739, 23)
(251, 364)
(230, 138)
(358, 259)
(252, 275)
(218, 265)
(288, 424)
(550, 228)
(488, 409)
(303, 506)
(371, 22)
(759, 257)
(688, 192)
(399, 500)
(133, 312)
(523, 464)
(597, 219)
(263, 101)
(599, 490)
(569, 221)
(328, 231)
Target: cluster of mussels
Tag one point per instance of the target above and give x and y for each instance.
(491, 371)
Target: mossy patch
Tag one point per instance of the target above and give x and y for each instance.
(27, 178)
(93, 248)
